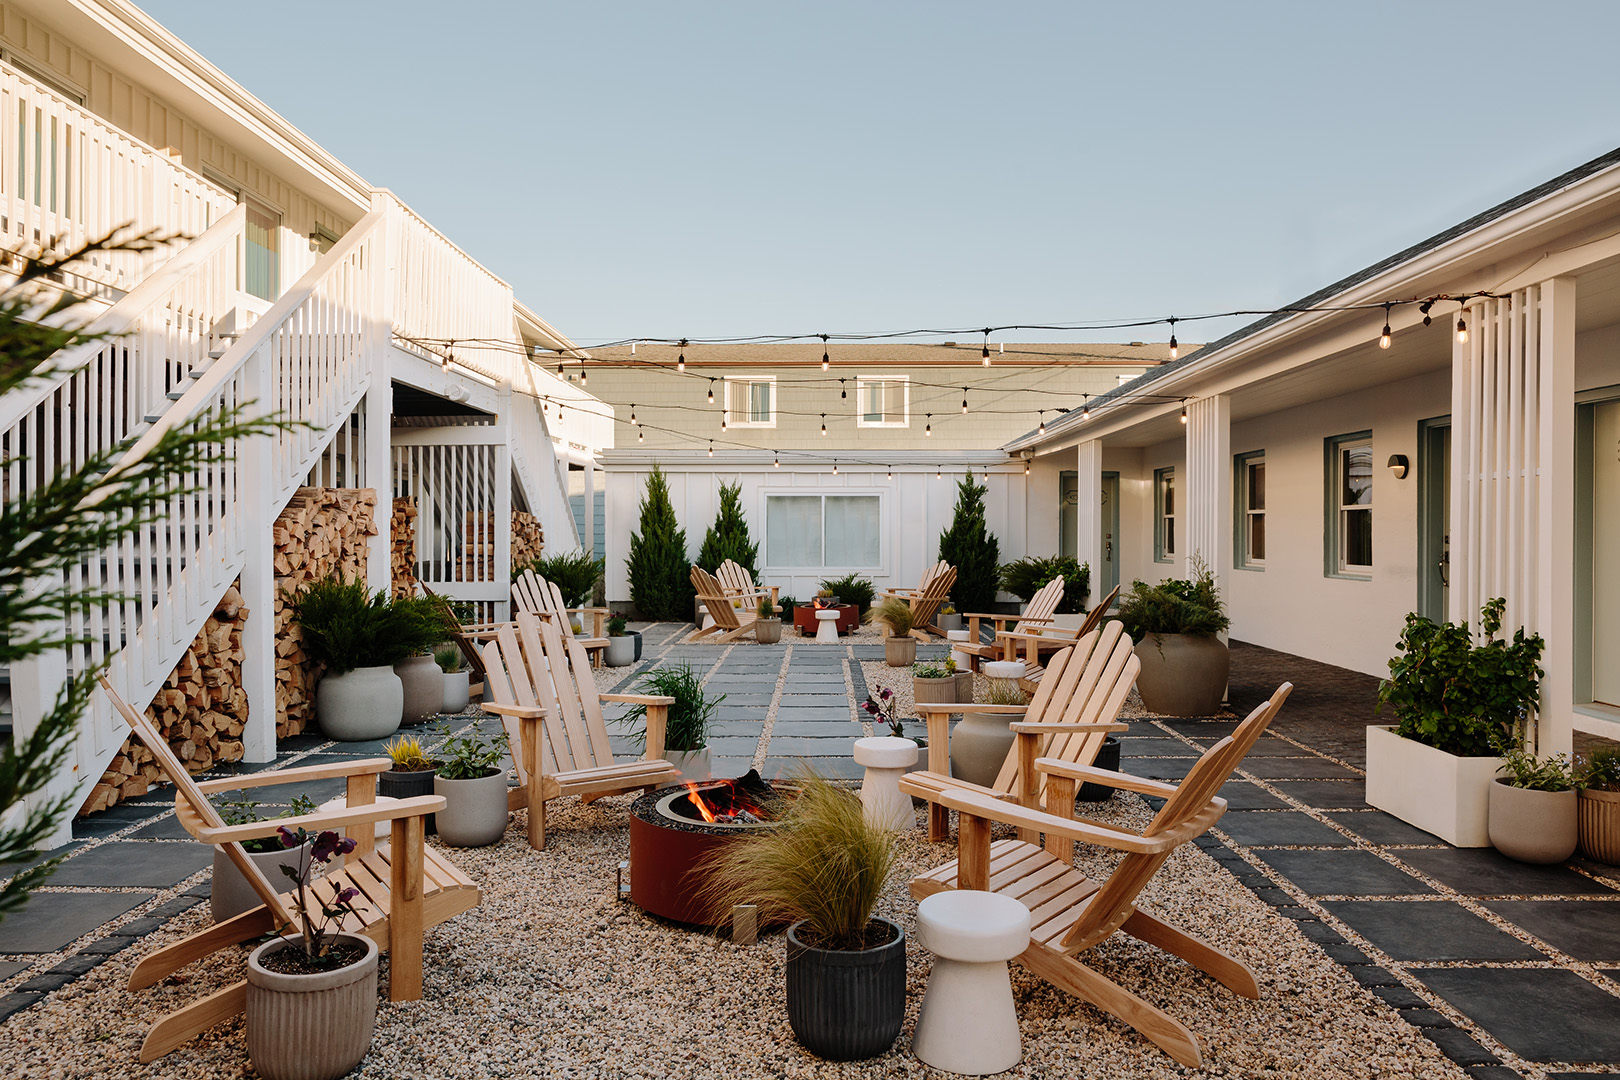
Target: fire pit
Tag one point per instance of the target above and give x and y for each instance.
(804, 617)
(673, 829)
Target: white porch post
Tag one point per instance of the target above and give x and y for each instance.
(589, 540)
(1554, 613)
(1088, 526)
(258, 519)
(379, 405)
(1207, 495)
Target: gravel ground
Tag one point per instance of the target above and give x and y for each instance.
(553, 976)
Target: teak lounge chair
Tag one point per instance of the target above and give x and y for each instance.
(1069, 913)
(738, 584)
(1042, 640)
(404, 886)
(1036, 614)
(1067, 720)
(533, 593)
(730, 620)
(925, 600)
(540, 684)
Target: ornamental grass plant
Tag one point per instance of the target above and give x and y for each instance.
(894, 613)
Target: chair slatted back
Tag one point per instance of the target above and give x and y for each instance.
(925, 605)
(1041, 606)
(714, 599)
(538, 666)
(1096, 615)
(204, 810)
(529, 594)
(468, 647)
(734, 578)
(1084, 684)
(1187, 809)
(509, 682)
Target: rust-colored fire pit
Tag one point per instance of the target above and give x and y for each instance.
(673, 829)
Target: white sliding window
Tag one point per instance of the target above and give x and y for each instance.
(824, 531)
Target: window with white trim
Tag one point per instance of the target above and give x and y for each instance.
(833, 532)
(751, 401)
(262, 252)
(1249, 488)
(1164, 515)
(1349, 505)
(883, 401)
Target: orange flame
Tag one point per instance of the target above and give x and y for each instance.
(697, 800)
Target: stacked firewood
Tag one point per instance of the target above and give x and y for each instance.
(322, 533)
(402, 547)
(528, 539)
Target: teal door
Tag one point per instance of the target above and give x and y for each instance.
(1105, 577)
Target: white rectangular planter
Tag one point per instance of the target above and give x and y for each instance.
(1436, 791)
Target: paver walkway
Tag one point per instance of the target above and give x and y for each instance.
(1512, 970)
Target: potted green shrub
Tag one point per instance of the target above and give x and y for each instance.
(851, 589)
(767, 627)
(1598, 806)
(621, 647)
(899, 647)
(410, 775)
(686, 734)
(1174, 625)
(823, 871)
(575, 574)
(457, 680)
(229, 893)
(1455, 701)
(312, 996)
(948, 618)
(935, 681)
(1027, 576)
(1532, 808)
(474, 788)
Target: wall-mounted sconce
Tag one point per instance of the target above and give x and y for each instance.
(1398, 466)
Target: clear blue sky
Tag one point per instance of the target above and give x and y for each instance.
(715, 169)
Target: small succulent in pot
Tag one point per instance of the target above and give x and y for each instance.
(618, 626)
(766, 609)
(408, 755)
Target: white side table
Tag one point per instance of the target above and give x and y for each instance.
(968, 1023)
(962, 659)
(887, 759)
(827, 625)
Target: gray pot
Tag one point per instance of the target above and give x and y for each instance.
(1532, 826)
(950, 622)
(424, 688)
(979, 744)
(310, 1027)
(621, 651)
(899, 650)
(360, 705)
(767, 631)
(229, 892)
(846, 1006)
(1182, 674)
(933, 690)
(474, 813)
(637, 635)
(694, 764)
(457, 691)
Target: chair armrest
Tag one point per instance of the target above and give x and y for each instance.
(984, 615)
(1092, 774)
(326, 819)
(1044, 633)
(359, 767)
(638, 699)
(1036, 727)
(982, 806)
(521, 712)
(968, 706)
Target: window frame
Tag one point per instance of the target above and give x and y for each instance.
(823, 494)
(274, 265)
(862, 381)
(1335, 508)
(731, 418)
(1243, 513)
(1164, 552)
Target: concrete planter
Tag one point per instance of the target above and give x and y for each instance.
(899, 651)
(423, 683)
(1598, 825)
(767, 631)
(1182, 674)
(1436, 791)
(695, 765)
(933, 689)
(474, 813)
(950, 622)
(457, 691)
(1532, 826)
(310, 1027)
(360, 705)
(621, 651)
(979, 745)
(229, 892)
(964, 686)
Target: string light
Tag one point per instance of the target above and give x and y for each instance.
(824, 360)
(1462, 328)
(584, 376)
(964, 401)
(680, 361)
(823, 425)
(641, 436)
(559, 369)
(1042, 429)
(1085, 407)
(1175, 350)
(835, 466)
(711, 391)
(929, 430)
(939, 474)
(1383, 339)
(984, 355)
(842, 393)
(722, 422)
(776, 460)
(1184, 414)
(632, 414)
(1026, 466)
(891, 472)
(711, 448)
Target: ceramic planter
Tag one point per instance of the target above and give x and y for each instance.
(900, 651)
(694, 764)
(423, 683)
(1598, 816)
(474, 813)
(950, 622)
(229, 892)
(1182, 674)
(933, 689)
(360, 705)
(1436, 791)
(408, 785)
(979, 745)
(767, 631)
(310, 1027)
(1531, 826)
(621, 651)
(637, 635)
(456, 691)
(846, 1006)
(964, 686)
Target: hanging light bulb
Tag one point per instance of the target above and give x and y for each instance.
(824, 425)
(559, 369)
(835, 468)
(964, 401)
(929, 430)
(984, 354)
(641, 436)
(711, 448)
(1026, 466)
(680, 361)
(584, 377)
(711, 391)
(824, 360)
(842, 393)
(1383, 339)
(939, 474)
(1085, 407)
(722, 423)
(776, 461)
(1175, 350)
(891, 472)
(632, 414)
(1042, 429)
(1462, 330)
(1183, 414)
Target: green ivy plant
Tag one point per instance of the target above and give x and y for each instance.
(470, 756)
(852, 589)
(1027, 576)
(1525, 770)
(1463, 698)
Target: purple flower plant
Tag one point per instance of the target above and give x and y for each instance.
(318, 932)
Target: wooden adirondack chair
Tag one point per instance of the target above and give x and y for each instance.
(466, 638)
(1069, 913)
(1036, 614)
(1038, 642)
(404, 886)
(533, 593)
(1067, 719)
(925, 600)
(739, 585)
(729, 622)
(540, 684)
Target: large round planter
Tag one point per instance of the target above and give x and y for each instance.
(310, 1027)
(900, 650)
(1598, 815)
(846, 1006)
(474, 813)
(409, 785)
(1182, 674)
(457, 691)
(767, 631)
(979, 745)
(229, 892)
(933, 689)
(964, 686)
(950, 622)
(620, 652)
(694, 765)
(360, 705)
(423, 682)
(1531, 826)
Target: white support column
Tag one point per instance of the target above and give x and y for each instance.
(503, 520)
(379, 428)
(1206, 497)
(258, 518)
(35, 684)
(1555, 516)
(589, 541)
(1088, 516)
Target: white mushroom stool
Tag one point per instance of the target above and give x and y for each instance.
(1003, 669)
(962, 659)
(827, 625)
(886, 759)
(968, 1024)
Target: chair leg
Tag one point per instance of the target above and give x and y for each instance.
(1233, 974)
(1073, 977)
(183, 1025)
(405, 925)
(171, 958)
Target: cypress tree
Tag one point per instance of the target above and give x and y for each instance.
(660, 576)
(728, 537)
(968, 546)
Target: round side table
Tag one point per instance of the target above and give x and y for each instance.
(827, 625)
(968, 1023)
(887, 759)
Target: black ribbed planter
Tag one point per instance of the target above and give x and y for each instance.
(846, 1006)
(408, 785)
(637, 635)
(1107, 758)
